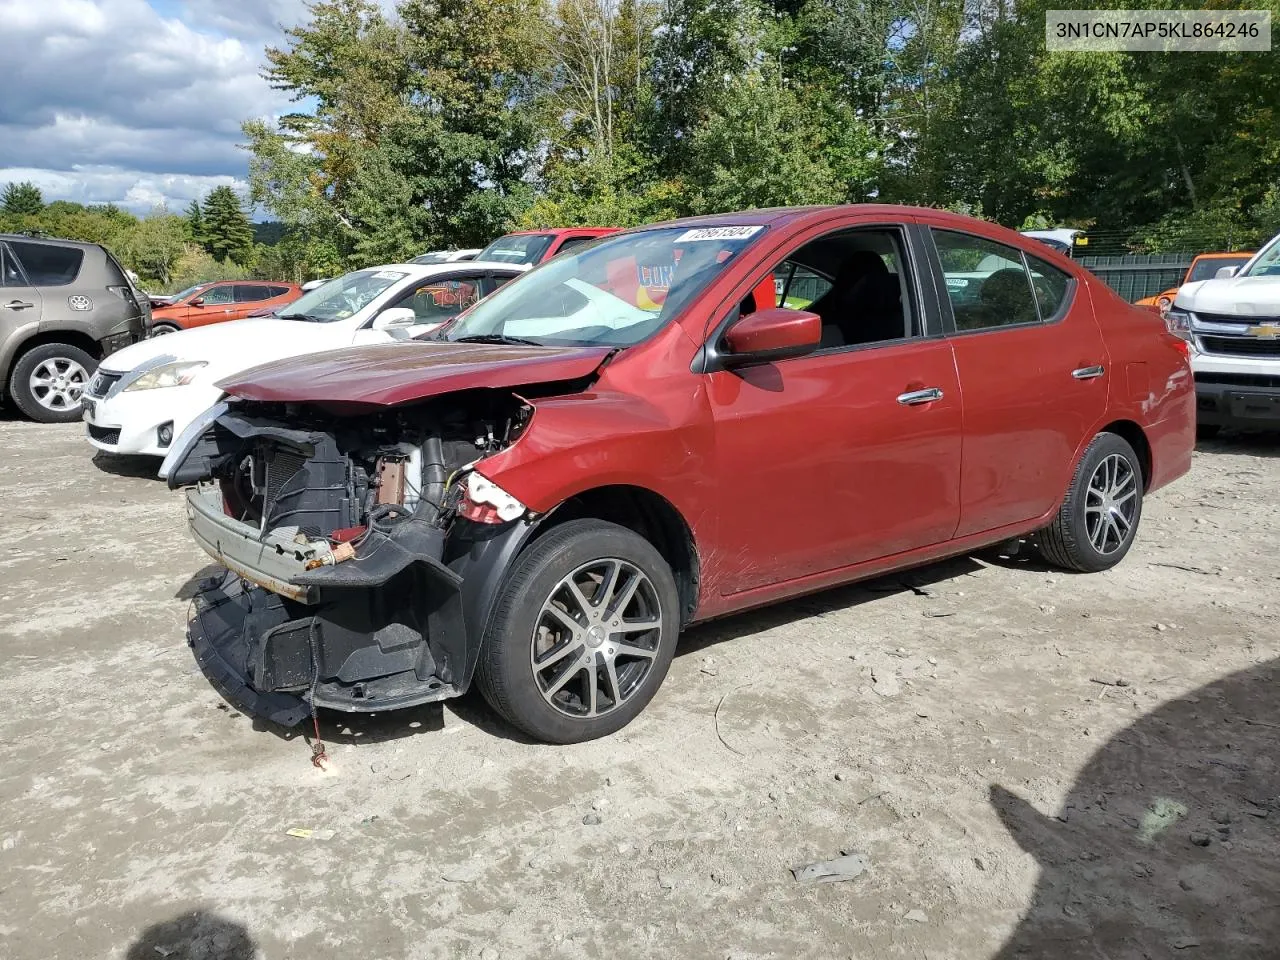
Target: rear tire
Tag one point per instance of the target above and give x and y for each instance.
(48, 382)
(1098, 521)
(1207, 431)
(583, 634)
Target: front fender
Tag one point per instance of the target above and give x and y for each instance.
(598, 439)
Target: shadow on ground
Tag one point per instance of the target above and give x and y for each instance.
(1169, 842)
(1257, 444)
(197, 935)
(916, 580)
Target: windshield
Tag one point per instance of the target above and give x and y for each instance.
(614, 293)
(341, 298)
(517, 248)
(1208, 268)
(438, 256)
(1266, 263)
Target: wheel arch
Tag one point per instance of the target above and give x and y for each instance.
(483, 557)
(1133, 434)
(648, 514)
(72, 338)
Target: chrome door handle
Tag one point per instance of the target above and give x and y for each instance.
(1089, 373)
(18, 305)
(916, 397)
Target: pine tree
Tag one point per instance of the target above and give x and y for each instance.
(21, 199)
(194, 217)
(227, 231)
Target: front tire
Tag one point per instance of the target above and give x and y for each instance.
(1207, 431)
(160, 329)
(583, 634)
(1097, 522)
(48, 382)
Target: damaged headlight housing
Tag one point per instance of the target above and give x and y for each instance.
(483, 501)
(168, 375)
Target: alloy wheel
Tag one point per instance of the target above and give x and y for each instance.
(1111, 504)
(58, 383)
(596, 637)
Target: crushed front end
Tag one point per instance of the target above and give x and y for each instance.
(346, 542)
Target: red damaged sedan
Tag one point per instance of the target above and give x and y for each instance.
(676, 423)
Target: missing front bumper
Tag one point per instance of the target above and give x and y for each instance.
(382, 631)
(273, 658)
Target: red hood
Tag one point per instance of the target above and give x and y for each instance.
(394, 373)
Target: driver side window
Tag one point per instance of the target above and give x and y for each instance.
(854, 280)
(436, 300)
(215, 295)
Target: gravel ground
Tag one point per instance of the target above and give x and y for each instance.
(1030, 763)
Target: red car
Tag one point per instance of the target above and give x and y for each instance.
(684, 421)
(538, 246)
(207, 303)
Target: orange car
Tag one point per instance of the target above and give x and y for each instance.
(1203, 267)
(208, 303)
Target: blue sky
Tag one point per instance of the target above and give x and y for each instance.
(134, 102)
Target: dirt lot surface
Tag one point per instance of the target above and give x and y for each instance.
(1031, 763)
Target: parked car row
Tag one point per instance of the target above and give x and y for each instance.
(534, 480)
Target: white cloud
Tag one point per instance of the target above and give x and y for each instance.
(135, 190)
(113, 100)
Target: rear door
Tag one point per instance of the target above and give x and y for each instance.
(1033, 370)
(20, 302)
(850, 453)
(249, 297)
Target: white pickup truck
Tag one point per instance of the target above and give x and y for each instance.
(1233, 323)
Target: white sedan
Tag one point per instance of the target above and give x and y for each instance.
(144, 396)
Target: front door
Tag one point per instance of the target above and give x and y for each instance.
(216, 304)
(851, 453)
(1033, 368)
(433, 301)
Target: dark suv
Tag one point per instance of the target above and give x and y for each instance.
(64, 306)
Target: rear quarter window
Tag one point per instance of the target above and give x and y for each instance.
(47, 264)
(1050, 285)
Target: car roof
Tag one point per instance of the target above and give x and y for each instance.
(24, 238)
(1223, 256)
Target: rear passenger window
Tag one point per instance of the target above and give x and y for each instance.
(987, 282)
(279, 291)
(46, 264)
(251, 293)
(1050, 285)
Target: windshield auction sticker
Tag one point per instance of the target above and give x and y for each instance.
(1158, 31)
(718, 233)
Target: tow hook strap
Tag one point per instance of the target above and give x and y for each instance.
(318, 757)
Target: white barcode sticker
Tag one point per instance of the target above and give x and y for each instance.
(718, 233)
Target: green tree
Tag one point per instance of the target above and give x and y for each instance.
(21, 199)
(769, 144)
(193, 218)
(155, 245)
(227, 231)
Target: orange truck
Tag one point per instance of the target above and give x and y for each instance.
(1203, 267)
